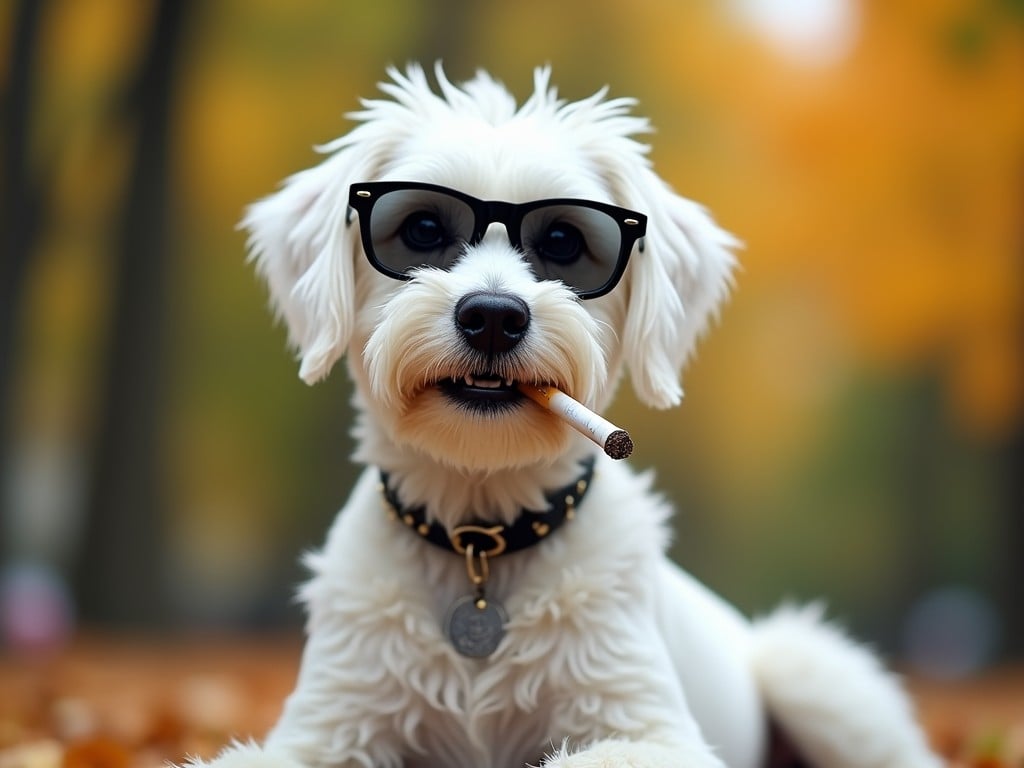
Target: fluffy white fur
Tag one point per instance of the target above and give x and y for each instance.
(613, 656)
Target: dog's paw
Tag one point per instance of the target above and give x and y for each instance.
(616, 753)
(244, 755)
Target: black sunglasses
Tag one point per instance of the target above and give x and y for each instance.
(408, 224)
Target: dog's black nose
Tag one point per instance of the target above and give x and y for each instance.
(492, 323)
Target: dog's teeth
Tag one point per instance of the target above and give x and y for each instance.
(485, 382)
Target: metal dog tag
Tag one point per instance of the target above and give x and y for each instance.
(475, 626)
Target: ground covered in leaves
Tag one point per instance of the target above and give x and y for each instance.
(122, 703)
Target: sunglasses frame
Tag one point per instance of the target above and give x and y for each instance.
(363, 196)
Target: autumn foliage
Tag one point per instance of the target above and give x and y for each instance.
(852, 426)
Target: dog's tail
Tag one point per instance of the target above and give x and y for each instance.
(831, 698)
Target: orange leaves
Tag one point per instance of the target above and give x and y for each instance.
(116, 704)
(896, 179)
(97, 752)
(120, 704)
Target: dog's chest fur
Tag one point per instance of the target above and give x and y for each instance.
(377, 601)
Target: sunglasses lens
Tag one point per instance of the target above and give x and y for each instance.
(412, 228)
(407, 225)
(573, 243)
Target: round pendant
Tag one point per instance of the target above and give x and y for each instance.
(475, 626)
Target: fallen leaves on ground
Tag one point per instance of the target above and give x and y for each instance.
(141, 703)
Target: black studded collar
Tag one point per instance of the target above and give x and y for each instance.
(487, 537)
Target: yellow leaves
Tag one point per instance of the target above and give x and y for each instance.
(896, 178)
(230, 130)
(942, 271)
(94, 40)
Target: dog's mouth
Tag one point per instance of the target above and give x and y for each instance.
(485, 392)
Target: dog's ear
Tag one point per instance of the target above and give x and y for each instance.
(677, 280)
(303, 240)
(298, 244)
(304, 244)
(682, 269)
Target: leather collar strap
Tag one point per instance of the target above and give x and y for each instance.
(489, 538)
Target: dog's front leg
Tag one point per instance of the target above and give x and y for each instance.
(342, 713)
(630, 711)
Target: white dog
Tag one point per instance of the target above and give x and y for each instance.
(495, 593)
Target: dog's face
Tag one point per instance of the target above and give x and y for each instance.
(436, 356)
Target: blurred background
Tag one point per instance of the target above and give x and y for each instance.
(853, 427)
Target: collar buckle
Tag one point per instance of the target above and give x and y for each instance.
(494, 533)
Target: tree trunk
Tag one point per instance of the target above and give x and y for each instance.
(119, 577)
(20, 213)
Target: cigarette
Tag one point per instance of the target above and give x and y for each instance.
(615, 442)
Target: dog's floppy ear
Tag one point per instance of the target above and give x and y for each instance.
(682, 270)
(298, 243)
(304, 244)
(678, 278)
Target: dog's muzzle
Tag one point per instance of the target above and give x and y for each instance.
(491, 324)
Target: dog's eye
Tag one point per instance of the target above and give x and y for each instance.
(423, 231)
(562, 243)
